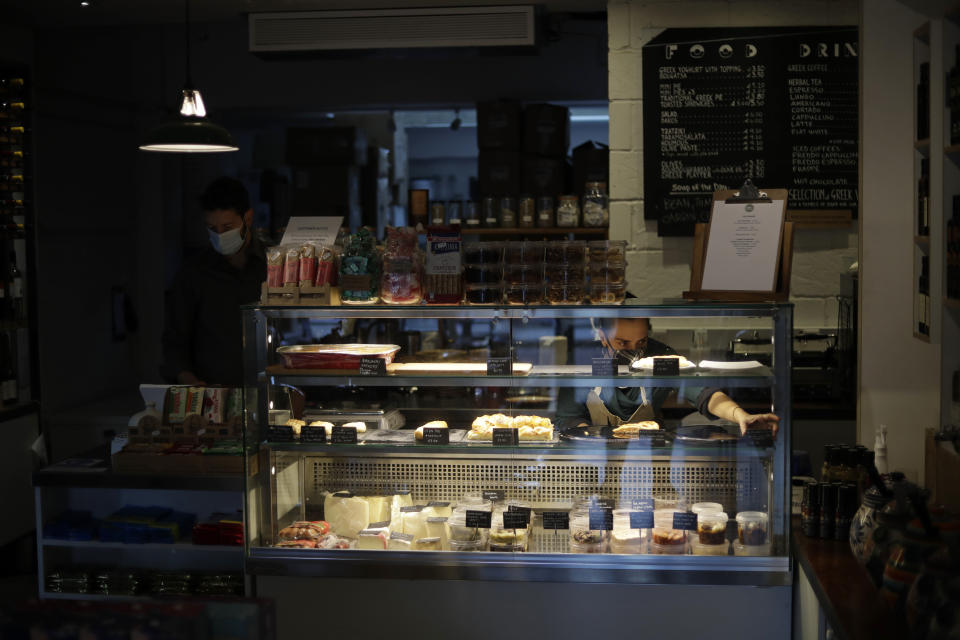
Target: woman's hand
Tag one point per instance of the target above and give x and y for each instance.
(747, 421)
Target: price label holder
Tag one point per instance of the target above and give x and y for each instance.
(313, 434)
(506, 437)
(493, 495)
(406, 537)
(684, 521)
(604, 367)
(435, 435)
(641, 519)
(281, 433)
(343, 435)
(642, 504)
(666, 366)
(438, 504)
(373, 367)
(379, 525)
(515, 519)
(601, 519)
(556, 520)
(478, 519)
(412, 509)
(499, 366)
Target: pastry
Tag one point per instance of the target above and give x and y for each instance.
(361, 427)
(296, 425)
(436, 424)
(633, 429)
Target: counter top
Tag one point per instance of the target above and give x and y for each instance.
(851, 603)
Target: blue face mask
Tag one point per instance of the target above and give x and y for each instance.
(228, 242)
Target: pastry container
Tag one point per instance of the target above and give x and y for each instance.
(571, 252)
(712, 528)
(604, 293)
(524, 294)
(483, 273)
(606, 250)
(663, 533)
(523, 252)
(697, 507)
(460, 533)
(482, 253)
(523, 274)
(608, 272)
(752, 528)
(566, 293)
(623, 539)
(698, 549)
(668, 549)
(483, 294)
(467, 545)
(750, 549)
(582, 538)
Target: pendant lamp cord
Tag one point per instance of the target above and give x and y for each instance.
(186, 30)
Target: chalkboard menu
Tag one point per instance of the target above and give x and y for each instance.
(778, 105)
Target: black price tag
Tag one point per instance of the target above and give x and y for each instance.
(373, 367)
(379, 525)
(477, 519)
(556, 520)
(493, 495)
(642, 504)
(515, 519)
(506, 437)
(407, 537)
(437, 503)
(604, 367)
(313, 434)
(641, 519)
(435, 435)
(499, 366)
(685, 521)
(601, 519)
(281, 433)
(414, 509)
(343, 435)
(666, 366)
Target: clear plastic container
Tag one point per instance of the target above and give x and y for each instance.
(482, 253)
(564, 273)
(523, 252)
(566, 252)
(454, 212)
(545, 213)
(752, 528)
(471, 214)
(706, 506)
(524, 294)
(607, 250)
(712, 528)
(568, 211)
(623, 539)
(522, 274)
(608, 272)
(507, 539)
(508, 212)
(582, 538)
(401, 282)
(491, 273)
(572, 293)
(750, 549)
(663, 533)
(483, 294)
(698, 549)
(467, 545)
(527, 212)
(460, 532)
(603, 293)
(438, 213)
(490, 213)
(668, 549)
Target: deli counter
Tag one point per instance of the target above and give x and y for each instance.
(437, 443)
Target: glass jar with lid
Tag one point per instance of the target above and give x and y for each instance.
(527, 212)
(491, 212)
(471, 214)
(438, 213)
(568, 212)
(454, 212)
(596, 206)
(545, 213)
(508, 212)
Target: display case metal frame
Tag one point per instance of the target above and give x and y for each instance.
(774, 570)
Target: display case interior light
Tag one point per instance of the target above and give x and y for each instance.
(192, 104)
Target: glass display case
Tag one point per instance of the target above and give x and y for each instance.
(558, 443)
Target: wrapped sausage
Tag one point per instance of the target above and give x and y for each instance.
(304, 530)
(308, 264)
(291, 265)
(274, 267)
(325, 270)
(441, 281)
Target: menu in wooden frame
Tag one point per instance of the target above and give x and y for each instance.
(745, 251)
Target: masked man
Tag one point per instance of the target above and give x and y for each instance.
(202, 335)
(627, 340)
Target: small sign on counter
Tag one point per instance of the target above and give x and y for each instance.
(556, 520)
(435, 435)
(313, 434)
(506, 437)
(666, 366)
(604, 367)
(478, 519)
(685, 521)
(343, 435)
(493, 495)
(642, 504)
(281, 433)
(499, 366)
(373, 367)
(601, 519)
(641, 519)
(515, 519)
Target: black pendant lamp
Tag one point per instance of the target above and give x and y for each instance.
(191, 132)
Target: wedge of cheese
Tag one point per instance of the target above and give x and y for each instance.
(379, 508)
(414, 523)
(371, 539)
(347, 515)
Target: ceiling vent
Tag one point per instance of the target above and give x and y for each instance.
(491, 26)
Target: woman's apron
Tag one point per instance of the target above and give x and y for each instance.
(600, 416)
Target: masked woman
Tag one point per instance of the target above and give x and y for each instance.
(627, 340)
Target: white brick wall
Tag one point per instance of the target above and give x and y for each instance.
(660, 267)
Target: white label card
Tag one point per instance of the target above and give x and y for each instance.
(744, 246)
(319, 229)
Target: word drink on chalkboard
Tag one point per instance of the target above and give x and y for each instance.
(778, 105)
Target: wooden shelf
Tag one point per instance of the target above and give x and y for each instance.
(922, 145)
(921, 240)
(533, 231)
(951, 303)
(921, 337)
(952, 150)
